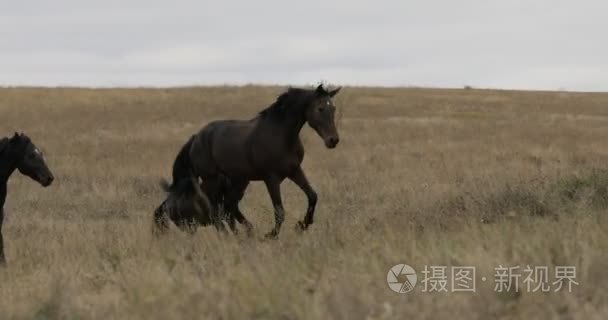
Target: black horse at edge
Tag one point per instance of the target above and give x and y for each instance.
(20, 153)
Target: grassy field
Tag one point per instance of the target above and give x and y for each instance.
(423, 177)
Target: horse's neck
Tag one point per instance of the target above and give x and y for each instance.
(2, 196)
(287, 129)
(7, 166)
(293, 131)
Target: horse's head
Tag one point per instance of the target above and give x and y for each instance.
(320, 115)
(30, 161)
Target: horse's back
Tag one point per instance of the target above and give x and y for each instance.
(233, 133)
(222, 146)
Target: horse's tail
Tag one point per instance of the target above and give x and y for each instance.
(182, 170)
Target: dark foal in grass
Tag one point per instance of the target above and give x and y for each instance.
(266, 148)
(19, 153)
(189, 208)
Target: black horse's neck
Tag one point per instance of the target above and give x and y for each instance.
(293, 127)
(288, 113)
(6, 173)
(8, 165)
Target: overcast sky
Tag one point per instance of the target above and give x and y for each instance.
(540, 44)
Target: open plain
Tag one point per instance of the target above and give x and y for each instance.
(425, 177)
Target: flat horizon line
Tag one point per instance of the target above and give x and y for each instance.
(271, 85)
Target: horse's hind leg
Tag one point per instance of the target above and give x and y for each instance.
(233, 197)
(299, 178)
(234, 215)
(224, 214)
(161, 221)
(223, 186)
(232, 223)
(238, 215)
(187, 225)
(215, 195)
(219, 225)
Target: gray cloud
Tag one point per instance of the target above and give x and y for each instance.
(515, 44)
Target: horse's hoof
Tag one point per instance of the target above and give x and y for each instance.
(272, 235)
(301, 226)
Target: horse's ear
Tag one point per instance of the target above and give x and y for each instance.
(16, 137)
(320, 90)
(334, 92)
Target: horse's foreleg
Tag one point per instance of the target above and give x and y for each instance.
(274, 189)
(299, 178)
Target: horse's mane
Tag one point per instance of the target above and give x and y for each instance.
(22, 138)
(287, 101)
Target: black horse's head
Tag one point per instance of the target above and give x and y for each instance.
(320, 115)
(30, 161)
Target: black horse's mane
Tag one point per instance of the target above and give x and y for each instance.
(288, 102)
(22, 138)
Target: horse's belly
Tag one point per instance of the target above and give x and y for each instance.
(241, 172)
(246, 170)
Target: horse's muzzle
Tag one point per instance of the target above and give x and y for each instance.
(46, 181)
(332, 142)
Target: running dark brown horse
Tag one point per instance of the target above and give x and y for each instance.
(266, 148)
(19, 153)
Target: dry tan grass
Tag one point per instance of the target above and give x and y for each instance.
(416, 173)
